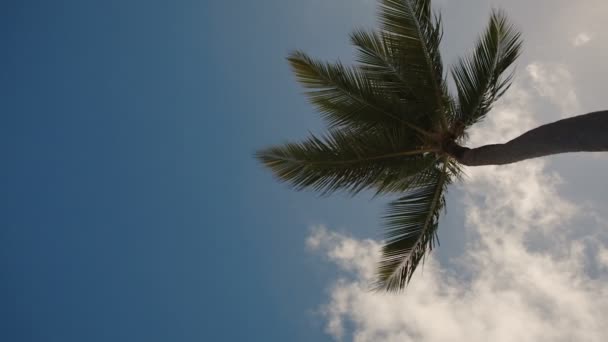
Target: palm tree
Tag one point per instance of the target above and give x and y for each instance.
(394, 126)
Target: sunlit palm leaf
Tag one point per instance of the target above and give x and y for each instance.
(411, 231)
(479, 78)
(386, 161)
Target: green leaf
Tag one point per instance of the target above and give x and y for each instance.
(344, 96)
(379, 62)
(415, 37)
(387, 160)
(379, 59)
(479, 78)
(411, 231)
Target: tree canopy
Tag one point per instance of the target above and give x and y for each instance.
(392, 120)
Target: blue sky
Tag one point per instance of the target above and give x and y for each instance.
(131, 206)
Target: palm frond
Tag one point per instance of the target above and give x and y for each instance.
(379, 62)
(416, 34)
(391, 121)
(479, 77)
(411, 230)
(344, 96)
(342, 160)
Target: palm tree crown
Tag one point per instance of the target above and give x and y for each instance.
(393, 123)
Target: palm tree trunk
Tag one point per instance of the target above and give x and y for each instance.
(583, 133)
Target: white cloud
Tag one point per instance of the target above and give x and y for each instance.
(554, 82)
(517, 291)
(581, 39)
(522, 278)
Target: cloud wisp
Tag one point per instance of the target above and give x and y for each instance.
(523, 276)
(581, 39)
